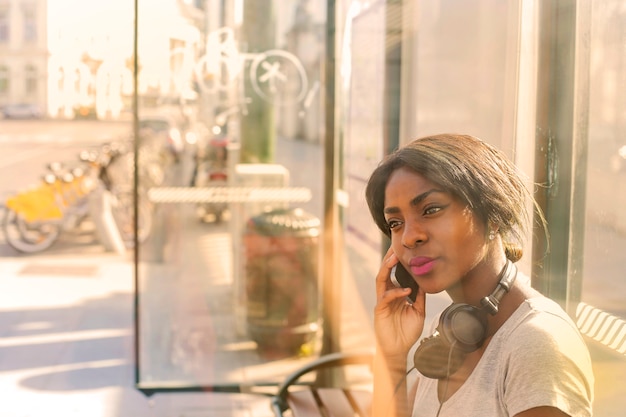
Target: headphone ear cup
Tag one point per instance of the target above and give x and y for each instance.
(433, 359)
(464, 325)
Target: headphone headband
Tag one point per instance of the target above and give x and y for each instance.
(506, 279)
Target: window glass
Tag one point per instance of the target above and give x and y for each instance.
(407, 75)
(484, 86)
(30, 24)
(30, 80)
(602, 312)
(4, 80)
(228, 280)
(4, 24)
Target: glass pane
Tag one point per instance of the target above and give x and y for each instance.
(603, 309)
(230, 187)
(440, 85)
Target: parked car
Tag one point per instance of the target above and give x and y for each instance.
(85, 112)
(164, 129)
(21, 111)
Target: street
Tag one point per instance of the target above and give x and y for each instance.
(27, 146)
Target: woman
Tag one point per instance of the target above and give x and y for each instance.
(455, 210)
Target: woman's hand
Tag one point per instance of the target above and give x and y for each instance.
(397, 324)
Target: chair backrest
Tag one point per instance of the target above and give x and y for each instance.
(313, 400)
(331, 402)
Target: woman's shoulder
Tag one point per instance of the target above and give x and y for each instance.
(543, 348)
(538, 314)
(542, 311)
(540, 325)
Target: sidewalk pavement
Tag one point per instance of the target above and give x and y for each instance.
(67, 336)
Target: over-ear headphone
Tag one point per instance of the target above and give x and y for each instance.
(462, 329)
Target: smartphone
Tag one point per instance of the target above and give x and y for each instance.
(402, 279)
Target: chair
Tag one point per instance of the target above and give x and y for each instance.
(313, 400)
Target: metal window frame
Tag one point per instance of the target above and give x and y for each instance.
(561, 147)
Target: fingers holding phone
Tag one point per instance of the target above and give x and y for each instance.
(398, 319)
(401, 278)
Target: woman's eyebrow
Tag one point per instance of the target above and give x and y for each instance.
(414, 202)
(422, 197)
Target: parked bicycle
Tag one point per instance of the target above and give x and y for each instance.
(35, 218)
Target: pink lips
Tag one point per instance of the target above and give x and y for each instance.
(421, 265)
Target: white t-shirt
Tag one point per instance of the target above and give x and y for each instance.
(537, 358)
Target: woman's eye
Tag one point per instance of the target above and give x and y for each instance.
(432, 209)
(392, 224)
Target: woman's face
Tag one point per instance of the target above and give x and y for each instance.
(434, 234)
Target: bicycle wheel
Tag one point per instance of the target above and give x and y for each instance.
(27, 237)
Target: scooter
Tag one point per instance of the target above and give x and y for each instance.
(212, 171)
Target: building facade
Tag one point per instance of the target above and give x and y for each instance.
(74, 59)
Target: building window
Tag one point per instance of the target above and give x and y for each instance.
(61, 80)
(30, 24)
(4, 80)
(31, 79)
(4, 26)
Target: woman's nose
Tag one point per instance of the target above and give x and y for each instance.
(414, 235)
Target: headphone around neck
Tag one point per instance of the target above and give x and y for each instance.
(462, 329)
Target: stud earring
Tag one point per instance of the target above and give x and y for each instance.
(492, 235)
